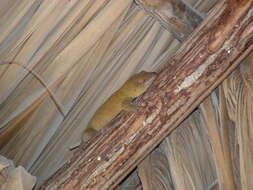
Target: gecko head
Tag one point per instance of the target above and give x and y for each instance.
(139, 82)
(145, 78)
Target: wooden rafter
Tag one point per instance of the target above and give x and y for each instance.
(174, 15)
(212, 52)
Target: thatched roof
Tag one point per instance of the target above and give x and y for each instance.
(61, 59)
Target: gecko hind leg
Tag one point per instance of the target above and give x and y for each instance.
(88, 134)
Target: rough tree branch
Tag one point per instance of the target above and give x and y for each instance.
(212, 52)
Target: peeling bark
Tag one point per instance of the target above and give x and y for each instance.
(211, 53)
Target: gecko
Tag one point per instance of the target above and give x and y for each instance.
(119, 100)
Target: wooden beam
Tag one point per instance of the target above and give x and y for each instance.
(174, 15)
(212, 52)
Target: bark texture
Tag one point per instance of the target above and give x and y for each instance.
(211, 53)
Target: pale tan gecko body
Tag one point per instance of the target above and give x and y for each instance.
(119, 100)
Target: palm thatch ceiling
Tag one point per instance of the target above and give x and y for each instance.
(61, 59)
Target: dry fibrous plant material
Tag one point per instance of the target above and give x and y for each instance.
(239, 101)
(56, 51)
(183, 160)
(202, 62)
(65, 59)
(188, 151)
(14, 178)
(154, 171)
(216, 121)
